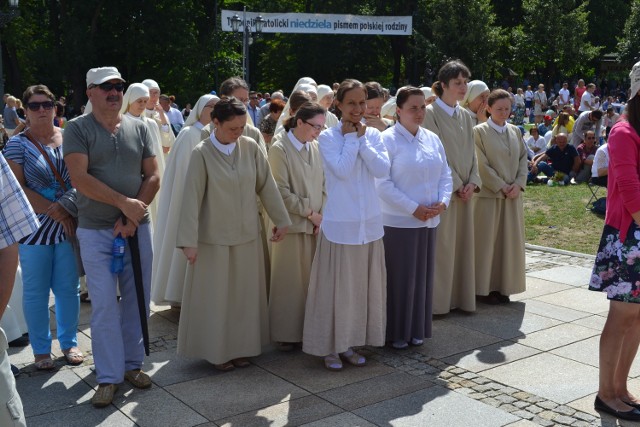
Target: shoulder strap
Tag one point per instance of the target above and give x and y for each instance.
(46, 157)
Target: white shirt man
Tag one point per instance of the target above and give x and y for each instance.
(563, 95)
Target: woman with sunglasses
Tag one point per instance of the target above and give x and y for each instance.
(414, 194)
(454, 266)
(346, 302)
(46, 256)
(297, 168)
(224, 316)
(169, 264)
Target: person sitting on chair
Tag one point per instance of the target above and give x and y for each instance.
(600, 167)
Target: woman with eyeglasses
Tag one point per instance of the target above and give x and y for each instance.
(454, 266)
(414, 194)
(346, 302)
(224, 307)
(297, 168)
(169, 264)
(46, 256)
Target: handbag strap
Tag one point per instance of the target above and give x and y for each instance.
(47, 158)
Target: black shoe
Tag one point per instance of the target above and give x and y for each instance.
(632, 415)
(635, 405)
(15, 371)
(23, 341)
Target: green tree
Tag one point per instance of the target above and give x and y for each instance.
(629, 43)
(553, 39)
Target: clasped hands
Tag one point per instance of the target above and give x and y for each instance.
(466, 192)
(511, 191)
(424, 213)
(349, 127)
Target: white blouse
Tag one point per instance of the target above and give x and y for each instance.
(419, 175)
(352, 213)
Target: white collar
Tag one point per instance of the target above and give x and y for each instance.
(497, 127)
(223, 148)
(448, 109)
(198, 125)
(131, 115)
(406, 134)
(296, 143)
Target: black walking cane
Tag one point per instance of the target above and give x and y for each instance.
(137, 277)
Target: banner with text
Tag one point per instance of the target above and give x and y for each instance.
(323, 23)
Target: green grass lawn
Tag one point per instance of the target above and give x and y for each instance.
(556, 217)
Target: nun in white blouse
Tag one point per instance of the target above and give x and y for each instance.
(169, 264)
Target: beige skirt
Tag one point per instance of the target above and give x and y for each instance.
(224, 305)
(290, 271)
(346, 304)
(500, 254)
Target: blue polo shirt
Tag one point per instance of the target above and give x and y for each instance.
(562, 160)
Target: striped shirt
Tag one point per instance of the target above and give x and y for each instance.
(40, 178)
(17, 219)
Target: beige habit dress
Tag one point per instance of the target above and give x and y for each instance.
(169, 263)
(499, 222)
(300, 179)
(454, 282)
(224, 306)
(167, 138)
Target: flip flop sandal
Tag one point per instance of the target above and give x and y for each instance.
(45, 364)
(332, 362)
(353, 358)
(74, 358)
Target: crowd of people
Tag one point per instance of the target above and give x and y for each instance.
(329, 219)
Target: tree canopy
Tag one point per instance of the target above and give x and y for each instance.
(180, 44)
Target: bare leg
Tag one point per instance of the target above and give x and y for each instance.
(628, 353)
(620, 321)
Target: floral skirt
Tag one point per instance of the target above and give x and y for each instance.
(617, 267)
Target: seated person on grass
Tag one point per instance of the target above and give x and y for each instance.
(600, 167)
(587, 152)
(564, 158)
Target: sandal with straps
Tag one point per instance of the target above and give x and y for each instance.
(332, 362)
(73, 356)
(353, 358)
(44, 362)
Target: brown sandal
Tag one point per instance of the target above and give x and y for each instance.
(241, 362)
(225, 367)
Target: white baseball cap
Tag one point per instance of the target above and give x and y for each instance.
(96, 76)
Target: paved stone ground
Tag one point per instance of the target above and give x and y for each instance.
(531, 362)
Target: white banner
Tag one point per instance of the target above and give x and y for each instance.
(323, 23)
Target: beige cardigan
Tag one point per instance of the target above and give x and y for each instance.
(219, 203)
(301, 184)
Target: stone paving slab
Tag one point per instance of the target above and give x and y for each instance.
(547, 375)
(530, 362)
(435, 406)
(568, 275)
(493, 355)
(290, 413)
(232, 393)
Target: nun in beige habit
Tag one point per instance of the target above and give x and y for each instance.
(475, 101)
(169, 264)
(454, 281)
(155, 112)
(133, 105)
(296, 166)
(499, 212)
(325, 99)
(224, 306)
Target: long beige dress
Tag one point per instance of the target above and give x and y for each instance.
(300, 180)
(454, 282)
(224, 305)
(499, 222)
(169, 263)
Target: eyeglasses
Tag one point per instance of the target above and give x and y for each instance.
(108, 87)
(253, 97)
(35, 106)
(316, 127)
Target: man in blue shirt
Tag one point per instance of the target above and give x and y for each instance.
(564, 158)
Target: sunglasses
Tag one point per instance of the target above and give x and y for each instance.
(108, 87)
(316, 127)
(35, 106)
